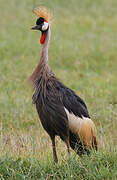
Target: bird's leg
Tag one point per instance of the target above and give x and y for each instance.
(68, 145)
(54, 150)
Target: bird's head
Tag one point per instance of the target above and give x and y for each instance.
(42, 23)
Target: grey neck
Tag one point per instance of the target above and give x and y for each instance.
(44, 54)
(43, 62)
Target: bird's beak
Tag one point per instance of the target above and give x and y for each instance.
(37, 27)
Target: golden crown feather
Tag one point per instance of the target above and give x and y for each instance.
(43, 12)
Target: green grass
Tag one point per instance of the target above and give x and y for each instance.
(99, 166)
(83, 54)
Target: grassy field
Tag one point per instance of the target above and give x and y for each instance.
(83, 54)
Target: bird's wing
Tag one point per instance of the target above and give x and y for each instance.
(74, 104)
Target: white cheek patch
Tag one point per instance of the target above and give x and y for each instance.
(45, 26)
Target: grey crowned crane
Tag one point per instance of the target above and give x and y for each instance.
(61, 112)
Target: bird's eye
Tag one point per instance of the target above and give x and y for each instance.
(39, 21)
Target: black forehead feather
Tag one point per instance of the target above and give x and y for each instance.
(39, 21)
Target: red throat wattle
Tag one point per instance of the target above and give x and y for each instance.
(42, 38)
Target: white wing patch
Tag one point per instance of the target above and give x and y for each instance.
(45, 26)
(83, 127)
(75, 122)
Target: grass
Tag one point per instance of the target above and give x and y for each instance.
(82, 54)
(100, 166)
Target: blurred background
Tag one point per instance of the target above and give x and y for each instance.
(82, 54)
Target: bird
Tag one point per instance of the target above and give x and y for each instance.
(61, 112)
